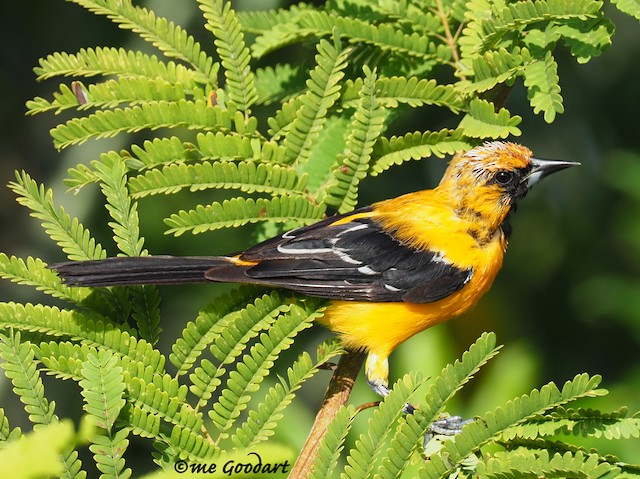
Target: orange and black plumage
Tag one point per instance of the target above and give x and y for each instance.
(390, 270)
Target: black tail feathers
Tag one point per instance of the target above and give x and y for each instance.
(138, 270)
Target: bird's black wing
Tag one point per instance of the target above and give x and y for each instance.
(347, 257)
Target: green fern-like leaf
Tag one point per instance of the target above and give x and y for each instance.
(365, 128)
(630, 7)
(102, 61)
(369, 447)
(162, 150)
(585, 422)
(495, 67)
(19, 364)
(262, 421)
(416, 146)
(241, 211)
(112, 173)
(209, 325)
(70, 235)
(411, 432)
(332, 443)
(259, 21)
(278, 83)
(229, 40)
(562, 448)
(125, 225)
(330, 145)
(587, 39)
(411, 91)
(156, 393)
(228, 147)
(541, 79)
(164, 398)
(63, 359)
(249, 373)
(387, 38)
(247, 176)
(34, 272)
(230, 334)
(108, 451)
(190, 445)
(513, 412)
(103, 388)
(112, 93)
(87, 327)
(41, 453)
(171, 39)
(156, 401)
(491, 23)
(323, 92)
(195, 115)
(141, 422)
(6, 433)
(145, 310)
(280, 123)
(543, 464)
(483, 122)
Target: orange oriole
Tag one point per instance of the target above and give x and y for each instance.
(391, 270)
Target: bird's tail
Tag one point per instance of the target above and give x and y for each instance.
(138, 270)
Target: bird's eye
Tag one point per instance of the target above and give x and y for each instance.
(504, 178)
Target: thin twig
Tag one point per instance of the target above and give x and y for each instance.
(337, 395)
(367, 405)
(449, 38)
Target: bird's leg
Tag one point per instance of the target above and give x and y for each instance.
(377, 373)
(376, 369)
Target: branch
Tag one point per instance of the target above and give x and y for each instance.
(448, 37)
(337, 395)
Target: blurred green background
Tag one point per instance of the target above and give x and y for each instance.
(566, 302)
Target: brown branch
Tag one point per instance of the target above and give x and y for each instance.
(337, 395)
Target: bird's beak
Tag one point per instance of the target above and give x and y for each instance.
(542, 168)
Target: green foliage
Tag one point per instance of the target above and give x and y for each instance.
(37, 454)
(544, 92)
(483, 122)
(6, 433)
(630, 7)
(323, 91)
(241, 211)
(18, 362)
(363, 131)
(229, 40)
(370, 447)
(74, 240)
(261, 421)
(333, 443)
(103, 391)
(364, 66)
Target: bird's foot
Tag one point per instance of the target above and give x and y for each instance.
(383, 390)
(446, 426)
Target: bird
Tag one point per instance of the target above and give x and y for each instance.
(389, 270)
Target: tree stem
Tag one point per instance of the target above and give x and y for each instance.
(337, 395)
(448, 37)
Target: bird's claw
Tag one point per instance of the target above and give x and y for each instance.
(446, 426)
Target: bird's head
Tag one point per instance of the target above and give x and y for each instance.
(487, 182)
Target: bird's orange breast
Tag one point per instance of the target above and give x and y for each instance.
(381, 327)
